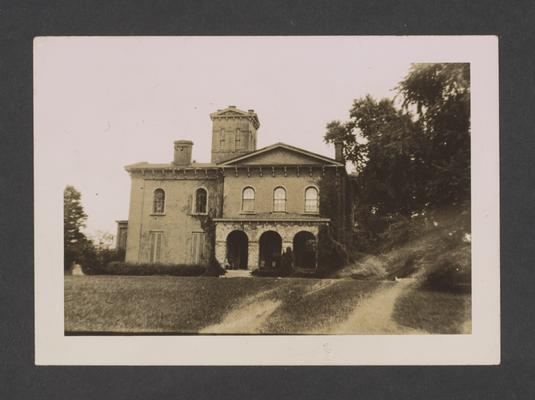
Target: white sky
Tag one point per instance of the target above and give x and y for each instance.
(103, 103)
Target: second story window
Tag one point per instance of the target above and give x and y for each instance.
(200, 201)
(311, 200)
(279, 199)
(158, 205)
(248, 196)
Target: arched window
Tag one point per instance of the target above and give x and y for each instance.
(279, 199)
(200, 201)
(311, 200)
(248, 199)
(158, 205)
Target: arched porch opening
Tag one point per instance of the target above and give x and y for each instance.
(270, 244)
(237, 249)
(304, 245)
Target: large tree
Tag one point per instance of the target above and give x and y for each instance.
(416, 155)
(440, 94)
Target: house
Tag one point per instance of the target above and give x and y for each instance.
(245, 207)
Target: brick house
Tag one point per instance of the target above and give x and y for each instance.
(245, 207)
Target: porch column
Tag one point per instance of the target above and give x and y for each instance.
(252, 257)
(221, 251)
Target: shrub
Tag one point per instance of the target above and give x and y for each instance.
(452, 272)
(144, 269)
(331, 254)
(214, 268)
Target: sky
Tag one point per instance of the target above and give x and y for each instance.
(103, 103)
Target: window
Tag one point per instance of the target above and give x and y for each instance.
(248, 199)
(155, 246)
(237, 139)
(158, 206)
(197, 247)
(200, 201)
(222, 138)
(311, 200)
(279, 199)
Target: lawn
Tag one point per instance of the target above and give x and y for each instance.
(434, 311)
(188, 305)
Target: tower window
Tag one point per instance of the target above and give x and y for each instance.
(200, 201)
(158, 205)
(248, 197)
(279, 199)
(311, 200)
(237, 139)
(222, 138)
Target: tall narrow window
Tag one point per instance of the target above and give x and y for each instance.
(279, 199)
(155, 246)
(200, 201)
(158, 206)
(197, 247)
(248, 196)
(222, 139)
(237, 139)
(311, 200)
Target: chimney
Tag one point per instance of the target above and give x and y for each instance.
(182, 152)
(338, 152)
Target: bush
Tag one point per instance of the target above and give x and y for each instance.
(123, 268)
(214, 268)
(331, 254)
(451, 274)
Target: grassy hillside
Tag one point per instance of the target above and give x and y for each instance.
(434, 248)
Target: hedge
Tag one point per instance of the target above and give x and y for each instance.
(144, 269)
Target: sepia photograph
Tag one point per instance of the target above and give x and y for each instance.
(249, 187)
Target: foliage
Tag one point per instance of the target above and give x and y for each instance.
(408, 158)
(331, 254)
(145, 269)
(75, 243)
(214, 268)
(441, 95)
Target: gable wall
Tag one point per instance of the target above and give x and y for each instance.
(280, 156)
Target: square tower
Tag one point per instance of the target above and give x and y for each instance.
(233, 133)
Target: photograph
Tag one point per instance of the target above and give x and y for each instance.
(249, 187)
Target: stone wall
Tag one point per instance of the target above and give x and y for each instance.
(254, 230)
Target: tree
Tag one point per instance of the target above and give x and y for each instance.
(440, 93)
(384, 144)
(74, 218)
(416, 155)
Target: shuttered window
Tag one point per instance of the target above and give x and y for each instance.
(197, 247)
(155, 246)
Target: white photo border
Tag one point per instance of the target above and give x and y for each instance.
(481, 347)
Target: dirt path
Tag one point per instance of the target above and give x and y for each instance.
(373, 315)
(249, 317)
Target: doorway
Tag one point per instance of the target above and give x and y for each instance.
(270, 249)
(237, 250)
